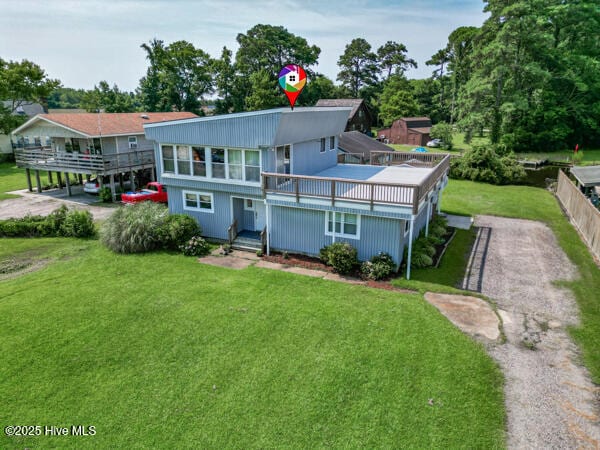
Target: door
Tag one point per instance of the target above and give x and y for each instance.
(260, 215)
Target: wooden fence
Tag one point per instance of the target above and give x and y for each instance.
(583, 214)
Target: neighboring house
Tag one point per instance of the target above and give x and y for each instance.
(25, 109)
(355, 147)
(104, 144)
(408, 131)
(359, 118)
(271, 178)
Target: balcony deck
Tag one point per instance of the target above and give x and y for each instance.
(402, 185)
(44, 158)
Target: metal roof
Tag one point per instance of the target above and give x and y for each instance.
(359, 143)
(587, 176)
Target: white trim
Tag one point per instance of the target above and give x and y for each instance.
(409, 256)
(335, 234)
(334, 146)
(38, 117)
(212, 180)
(268, 223)
(246, 206)
(198, 194)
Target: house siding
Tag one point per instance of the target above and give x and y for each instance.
(307, 158)
(142, 143)
(303, 231)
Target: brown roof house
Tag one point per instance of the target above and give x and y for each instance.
(102, 144)
(359, 119)
(407, 130)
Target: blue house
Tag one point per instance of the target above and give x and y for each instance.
(271, 178)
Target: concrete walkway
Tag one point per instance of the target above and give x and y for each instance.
(461, 222)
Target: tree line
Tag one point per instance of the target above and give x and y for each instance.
(528, 76)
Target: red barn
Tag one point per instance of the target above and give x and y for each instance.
(407, 130)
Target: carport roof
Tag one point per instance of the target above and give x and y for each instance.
(587, 176)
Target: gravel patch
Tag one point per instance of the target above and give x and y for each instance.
(550, 399)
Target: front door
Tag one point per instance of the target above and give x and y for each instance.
(260, 214)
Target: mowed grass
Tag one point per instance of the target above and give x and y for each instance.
(158, 351)
(12, 178)
(471, 198)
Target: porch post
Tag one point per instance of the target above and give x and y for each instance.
(28, 174)
(333, 228)
(121, 182)
(68, 182)
(38, 182)
(428, 216)
(80, 178)
(50, 180)
(410, 240)
(268, 212)
(132, 180)
(59, 177)
(152, 174)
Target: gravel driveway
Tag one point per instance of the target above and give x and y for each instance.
(46, 202)
(550, 400)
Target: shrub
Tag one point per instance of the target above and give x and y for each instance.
(420, 260)
(54, 221)
(105, 194)
(78, 224)
(135, 228)
(485, 164)
(379, 267)
(341, 256)
(443, 131)
(196, 246)
(577, 157)
(177, 230)
(259, 253)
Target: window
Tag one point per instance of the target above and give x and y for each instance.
(252, 165)
(132, 142)
(97, 146)
(168, 159)
(198, 201)
(406, 227)
(218, 162)
(322, 145)
(183, 160)
(249, 205)
(234, 158)
(331, 142)
(198, 162)
(346, 225)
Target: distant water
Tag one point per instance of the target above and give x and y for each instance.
(538, 177)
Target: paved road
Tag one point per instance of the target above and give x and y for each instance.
(550, 400)
(43, 204)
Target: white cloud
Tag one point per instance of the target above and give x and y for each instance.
(83, 42)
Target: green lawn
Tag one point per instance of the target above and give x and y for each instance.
(205, 357)
(12, 179)
(470, 198)
(590, 157)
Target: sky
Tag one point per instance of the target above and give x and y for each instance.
(86, 41)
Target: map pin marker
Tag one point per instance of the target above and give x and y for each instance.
(292, 79)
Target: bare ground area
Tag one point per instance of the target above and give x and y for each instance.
(550, 399)
(44, 203)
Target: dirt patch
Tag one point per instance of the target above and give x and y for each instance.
(231, 262)
(15, 267)
(472, 315)
(550, 399)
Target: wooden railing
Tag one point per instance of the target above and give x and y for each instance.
(370, 192)
(263, 240)
(391, 158)
(48, 159)
(232, 231)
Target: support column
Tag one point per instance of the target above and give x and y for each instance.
(121, 182)
(410, 240)
(50, 180)
(68, 182)
(28, 174)
(132, 180)
(268, 212)
(333, 227)
(60, 183)
(80, 177)
(38, 182)
(152, 175)
(112, 186)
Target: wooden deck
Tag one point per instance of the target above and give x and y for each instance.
(371, 192)
(43, 158)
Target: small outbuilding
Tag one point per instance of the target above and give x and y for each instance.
(407, 130)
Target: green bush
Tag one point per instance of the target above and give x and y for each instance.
(177, 230)
(196, 246)
(420, 260)
(105, 194)
(78, 224)
(60, 222)
(487, 165)
(341, 256)
(379, 267)
(443, 131)
(135, 228)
